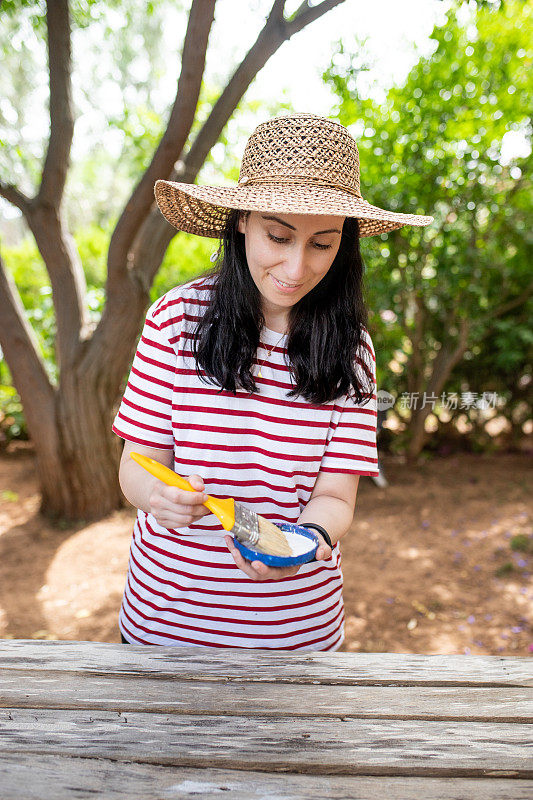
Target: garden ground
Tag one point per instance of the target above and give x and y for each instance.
(430, 564)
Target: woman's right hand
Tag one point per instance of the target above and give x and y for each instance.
(176, 508)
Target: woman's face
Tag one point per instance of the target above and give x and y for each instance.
(297, 249)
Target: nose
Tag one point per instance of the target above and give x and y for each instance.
(295, 265)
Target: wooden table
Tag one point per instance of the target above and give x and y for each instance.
(84, 719)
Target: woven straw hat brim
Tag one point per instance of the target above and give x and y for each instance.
(203, 210)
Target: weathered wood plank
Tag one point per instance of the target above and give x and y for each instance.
(264, 666)
(319, 745)
(26, 689)
(65, 778)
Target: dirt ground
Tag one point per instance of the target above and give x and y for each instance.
(428, 563)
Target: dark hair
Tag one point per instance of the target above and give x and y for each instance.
(324, 333)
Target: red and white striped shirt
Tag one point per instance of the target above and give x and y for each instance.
(263, 449)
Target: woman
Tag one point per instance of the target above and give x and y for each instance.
(257, 382)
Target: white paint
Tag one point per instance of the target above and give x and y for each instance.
(299, 544)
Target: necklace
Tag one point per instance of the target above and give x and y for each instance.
(259, 375)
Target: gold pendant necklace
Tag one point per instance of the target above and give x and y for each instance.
(260, 374)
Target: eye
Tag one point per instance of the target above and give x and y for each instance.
(280, 240)
(276, 238)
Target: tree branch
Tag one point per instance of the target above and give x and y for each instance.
(510, 304)
(43, 213)
(443, 365)
(171, 145)
(277, 12)
(270, 39)
(56, 163)
(415, 365)
(447, 358)
(15, 196)
(307, 14)
(21, 352)
(126, 299)
(301, 8)
(156, 233)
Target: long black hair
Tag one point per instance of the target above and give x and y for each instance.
(325, 326)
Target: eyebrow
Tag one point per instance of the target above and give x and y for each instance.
(281, 222)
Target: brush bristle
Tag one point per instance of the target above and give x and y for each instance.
(272, 540)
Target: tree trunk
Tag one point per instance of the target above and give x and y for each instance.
(449, 355)
(70, 425)
(79, 475)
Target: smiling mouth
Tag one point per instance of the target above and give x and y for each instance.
(287, 285)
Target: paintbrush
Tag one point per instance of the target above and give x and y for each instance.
(245, 525)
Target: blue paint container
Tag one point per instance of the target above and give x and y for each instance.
(283, 561)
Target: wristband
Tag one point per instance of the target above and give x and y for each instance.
(321, 530)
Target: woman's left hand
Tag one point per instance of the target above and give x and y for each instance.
(323, 551)
(258, 571)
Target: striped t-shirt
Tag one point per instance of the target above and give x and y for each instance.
(263, 449)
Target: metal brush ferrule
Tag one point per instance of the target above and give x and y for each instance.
(246, 527)
(250, 540)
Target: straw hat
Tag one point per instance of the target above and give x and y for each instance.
(297, 164)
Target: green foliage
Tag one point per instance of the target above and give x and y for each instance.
(12, 422)
(435, 147)
(522, 543)
(505, 569)
(142, 128)
(31, 279)
(82, 12)
(27, 269)
(92, 243)
(186, 257)
(123, 58)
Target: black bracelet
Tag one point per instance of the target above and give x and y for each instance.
(321, 530)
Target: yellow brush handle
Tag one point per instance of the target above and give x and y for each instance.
(223, 509)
